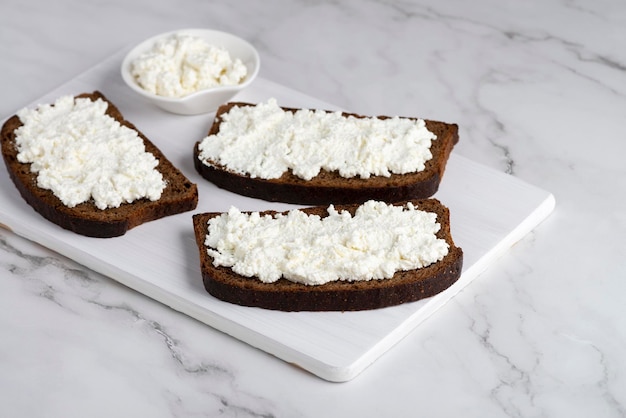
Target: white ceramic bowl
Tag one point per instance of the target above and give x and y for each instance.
(203, 101)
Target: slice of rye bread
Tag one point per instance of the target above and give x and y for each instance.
(180, 195)
(329, 187)
(285, 295)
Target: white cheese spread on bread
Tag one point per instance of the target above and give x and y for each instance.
(180, 64)
(265, 141)
(80, 153)
(379, 240)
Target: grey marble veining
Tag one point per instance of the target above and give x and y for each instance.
(538, 90)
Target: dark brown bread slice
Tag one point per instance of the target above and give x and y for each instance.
(284, 295)
(180, 195)
(330, 187)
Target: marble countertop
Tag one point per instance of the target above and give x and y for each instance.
(539, 92)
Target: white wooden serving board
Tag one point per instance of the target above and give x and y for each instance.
(490, 211)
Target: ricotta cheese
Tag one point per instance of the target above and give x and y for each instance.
(379, 240)
(265, 141)
(181, 64)
(80, 153)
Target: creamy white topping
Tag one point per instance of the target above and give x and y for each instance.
(265, 141)
(80, 153)
(181, 64)
(379, 240)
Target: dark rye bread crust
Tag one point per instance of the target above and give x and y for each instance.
(180, 195)
(330, 187)
(284, 295)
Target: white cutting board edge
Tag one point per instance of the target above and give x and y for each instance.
(338, 367)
